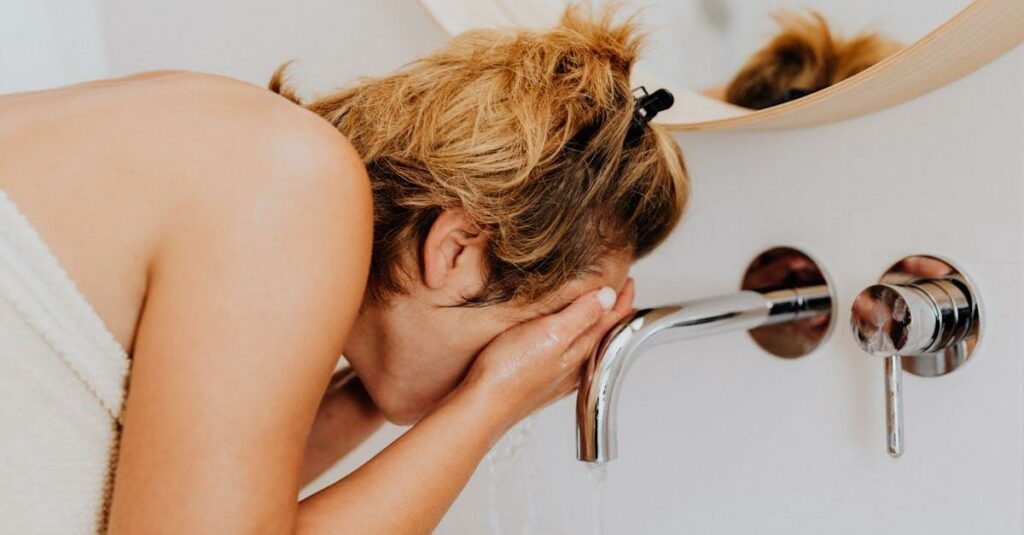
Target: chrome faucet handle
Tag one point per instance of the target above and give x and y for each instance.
(932, 322)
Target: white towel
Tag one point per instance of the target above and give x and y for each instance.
(62, 384)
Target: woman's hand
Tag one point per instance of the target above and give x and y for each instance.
(407, 487)
(539, 361)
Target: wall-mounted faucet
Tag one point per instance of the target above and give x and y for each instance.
(785, 300)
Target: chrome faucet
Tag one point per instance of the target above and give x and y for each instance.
(597, 396)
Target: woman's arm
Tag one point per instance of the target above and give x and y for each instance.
(409, 486)
(345, 418)
(257, 278)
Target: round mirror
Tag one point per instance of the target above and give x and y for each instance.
(702, 44)
(783, 63)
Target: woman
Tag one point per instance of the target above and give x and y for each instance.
(461, 230)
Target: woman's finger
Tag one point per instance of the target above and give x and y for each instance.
(585, 343)
(567, 324)
(623, 307)
(626, 295)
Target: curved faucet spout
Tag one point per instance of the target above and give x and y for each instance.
(597, 397)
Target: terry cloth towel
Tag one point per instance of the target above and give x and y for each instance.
(62, 384)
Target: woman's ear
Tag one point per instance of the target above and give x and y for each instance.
(453, 256)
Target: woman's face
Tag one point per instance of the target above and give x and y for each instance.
(413, 351)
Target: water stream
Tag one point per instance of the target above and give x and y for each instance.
(498, 462)
(597, 474)
(506, 458)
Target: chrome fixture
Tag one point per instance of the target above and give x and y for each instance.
(785, 300)
(923, 317)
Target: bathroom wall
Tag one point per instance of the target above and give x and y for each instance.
(334, 42)
(47, 43)
(716, 436)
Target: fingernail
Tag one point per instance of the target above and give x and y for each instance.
(606, 296)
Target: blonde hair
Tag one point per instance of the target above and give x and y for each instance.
(524, 132)
(804, 56)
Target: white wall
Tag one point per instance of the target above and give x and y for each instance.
(47, 43)
(334, 41)
(716, 436)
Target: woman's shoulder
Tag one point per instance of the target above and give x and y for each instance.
(190, 131)
(167, 171)
(250, 147)
(279, 131)
(259, 175)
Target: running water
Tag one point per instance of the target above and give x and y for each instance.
(503, 457)
(598, 476)
(499, 459)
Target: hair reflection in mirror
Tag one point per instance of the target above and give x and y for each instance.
(804, 57)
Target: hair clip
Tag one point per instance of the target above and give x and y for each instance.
(646, 107)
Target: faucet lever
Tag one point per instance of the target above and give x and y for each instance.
(894, 404)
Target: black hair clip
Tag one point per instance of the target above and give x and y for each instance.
(647, 106)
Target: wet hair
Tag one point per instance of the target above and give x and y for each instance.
(524, 132)
(802, 58)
